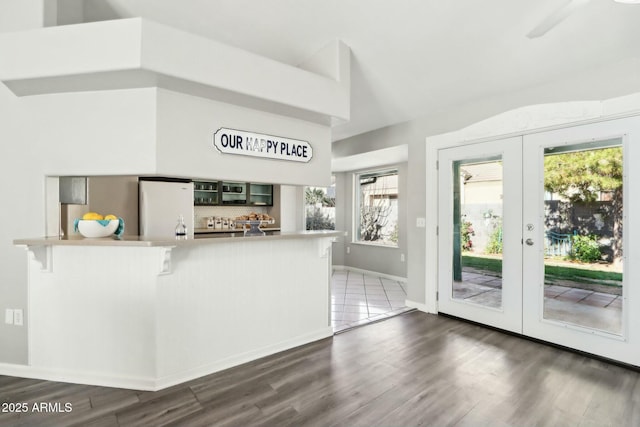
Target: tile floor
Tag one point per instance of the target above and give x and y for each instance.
(358, 299)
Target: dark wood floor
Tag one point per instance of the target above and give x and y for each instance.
(414, 369)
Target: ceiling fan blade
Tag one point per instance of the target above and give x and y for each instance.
(556, 17)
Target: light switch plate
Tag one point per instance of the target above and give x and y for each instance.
(8, 316)
(421, 222)
(17, 317)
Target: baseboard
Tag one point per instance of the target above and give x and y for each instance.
(78, 377)
(369, 272)
(419, 306)
(155, 384)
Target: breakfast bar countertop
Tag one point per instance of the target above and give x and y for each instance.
(139, 241)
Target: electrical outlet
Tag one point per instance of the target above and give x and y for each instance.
(17, 317)
(8, 316)
(348, 249)
(401, 257)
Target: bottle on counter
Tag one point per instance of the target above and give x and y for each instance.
(181, 228)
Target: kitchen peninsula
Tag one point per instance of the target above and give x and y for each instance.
(150, 313)
(146, 313)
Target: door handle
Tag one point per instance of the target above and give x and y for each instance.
(529, 242)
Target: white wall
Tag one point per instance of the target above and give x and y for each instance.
(16, 15)
(22, 204)
(186, 125)
(338, 253)
(291, 205)
(19, 208)
(69, 11)
(15, 132)
(95, 133)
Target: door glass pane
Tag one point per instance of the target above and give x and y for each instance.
(583, 211)
(477, 231)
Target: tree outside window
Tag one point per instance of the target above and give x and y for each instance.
(377, 208)
(584, 177)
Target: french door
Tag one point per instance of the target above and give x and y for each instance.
(481, 200)
(533, 236)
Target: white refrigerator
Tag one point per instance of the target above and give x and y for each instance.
(161, 203)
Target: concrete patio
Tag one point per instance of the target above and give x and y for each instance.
(566, 303)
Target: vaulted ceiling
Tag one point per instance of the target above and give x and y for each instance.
(412, 58)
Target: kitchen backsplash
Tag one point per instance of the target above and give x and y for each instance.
(204, 212)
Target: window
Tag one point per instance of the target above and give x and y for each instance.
(320, 207)
(376, 216)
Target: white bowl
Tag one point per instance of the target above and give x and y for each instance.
(93, 228)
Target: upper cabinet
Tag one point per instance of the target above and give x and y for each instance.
(216, 193)
(234, 193)
(261, 194)
(205, 193)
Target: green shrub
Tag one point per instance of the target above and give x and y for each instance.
(585, 248)
(494, 245)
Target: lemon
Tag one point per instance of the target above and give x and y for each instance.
(92, 215)
(110, 217)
